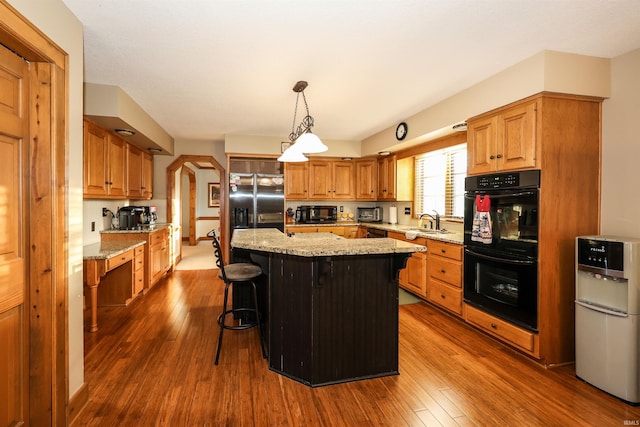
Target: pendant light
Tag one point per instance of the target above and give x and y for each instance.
(303, 141)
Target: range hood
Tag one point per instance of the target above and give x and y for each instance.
(111, 108)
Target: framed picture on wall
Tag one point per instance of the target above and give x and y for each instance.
(214, 194)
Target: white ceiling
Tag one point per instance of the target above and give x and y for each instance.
(206, 68)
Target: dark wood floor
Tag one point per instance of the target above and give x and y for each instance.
(152, 364)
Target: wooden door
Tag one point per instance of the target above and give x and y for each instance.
(296, 180)
(96, 179)
(343, 180)
(117, 167)
(366, 179)
(481, 146)
(517, 138)
(14, 385)
(320, 179)
(134, 167)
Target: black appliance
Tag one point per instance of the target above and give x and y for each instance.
(149, 215)
(316, 214)
(374, 233)
(130, 217)
(501, 269)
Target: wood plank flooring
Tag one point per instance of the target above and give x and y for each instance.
(152, 364)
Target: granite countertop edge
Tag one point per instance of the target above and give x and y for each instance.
(146, 229)
(451, 237)
(317, 244)
(106, 250)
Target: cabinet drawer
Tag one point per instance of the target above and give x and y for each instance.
(445, 269)
(157, 236)
(139, 251)
(118, 260)
(518, 337)
(446, 296)
(138, 262)
(445, 249)
(138, 282)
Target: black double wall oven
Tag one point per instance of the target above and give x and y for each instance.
(501, 245)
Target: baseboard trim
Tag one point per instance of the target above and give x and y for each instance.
(77, 402)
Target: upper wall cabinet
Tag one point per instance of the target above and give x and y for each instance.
(330, 179)
(395, 178)
(366, 179)
(113, 168)
(104, 163)
(503, 141)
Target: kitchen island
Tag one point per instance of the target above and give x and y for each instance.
(329, 304)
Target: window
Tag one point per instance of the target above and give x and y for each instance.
(440, 181)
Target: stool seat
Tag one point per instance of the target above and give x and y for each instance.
(240, 272)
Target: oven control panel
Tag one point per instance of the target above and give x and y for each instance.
(602, 254)
(520, 179)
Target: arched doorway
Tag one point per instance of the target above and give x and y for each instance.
(174, 200)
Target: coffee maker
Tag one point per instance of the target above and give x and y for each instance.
(130, 217)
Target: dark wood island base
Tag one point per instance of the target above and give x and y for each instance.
(330, 319)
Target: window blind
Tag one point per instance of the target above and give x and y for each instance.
(440, 181)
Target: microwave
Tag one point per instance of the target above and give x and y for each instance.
(316, 214)
(369, 214)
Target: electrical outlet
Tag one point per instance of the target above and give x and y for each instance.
(93, 226)
(341, 208)
(104, 211)
(407, 211)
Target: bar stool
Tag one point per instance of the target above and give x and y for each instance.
(240, 274)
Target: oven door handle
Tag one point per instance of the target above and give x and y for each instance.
(502, 260)
(499, 196)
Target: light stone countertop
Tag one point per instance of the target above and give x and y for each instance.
(106, 250)
(317, 244)
(451, 237)
(143, 229)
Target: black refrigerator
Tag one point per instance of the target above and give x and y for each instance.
(256, 200)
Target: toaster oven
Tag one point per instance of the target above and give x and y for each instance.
(369, 214)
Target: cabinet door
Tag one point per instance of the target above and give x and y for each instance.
(387, 178)
(481, 146)
(134, 165)
(342, 177)
(95, 160)
(517, 138)
(417, 273)
(366, 179)
(147, 176)
(320, 183)
(296, 180)
(117, 167)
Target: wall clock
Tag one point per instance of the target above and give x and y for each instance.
(401, 131)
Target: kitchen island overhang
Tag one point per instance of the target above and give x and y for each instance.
(330, 305)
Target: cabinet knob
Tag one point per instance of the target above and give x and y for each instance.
(442, 296)
(492, 157)
(442, 271)
(494, 326)
(443, 251)
(499, 156)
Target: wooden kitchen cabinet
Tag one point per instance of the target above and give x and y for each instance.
(413, 277)
(296, 180)
(366, 179)
(147, 176)
(157, 259)
(104, 163)
(395, 179)
(134, 165)
(503, 141)
(331, 180)
(113, 168)
(444, 281)
(138, 274)
(387, 178)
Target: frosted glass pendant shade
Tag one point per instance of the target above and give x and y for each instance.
(292, 155)
(309, 143)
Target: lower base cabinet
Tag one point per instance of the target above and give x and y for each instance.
(346, 231)
(520, 338)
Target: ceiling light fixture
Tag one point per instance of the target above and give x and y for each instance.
(303, 141)
(384, 153)
(125, 132)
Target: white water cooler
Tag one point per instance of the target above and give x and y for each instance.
(607, 314)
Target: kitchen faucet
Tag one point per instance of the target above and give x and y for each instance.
(436, 218)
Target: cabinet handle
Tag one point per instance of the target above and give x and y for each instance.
(444, 251)
(442, 296)
(442, 271)
(499, 156)
(494, 326)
